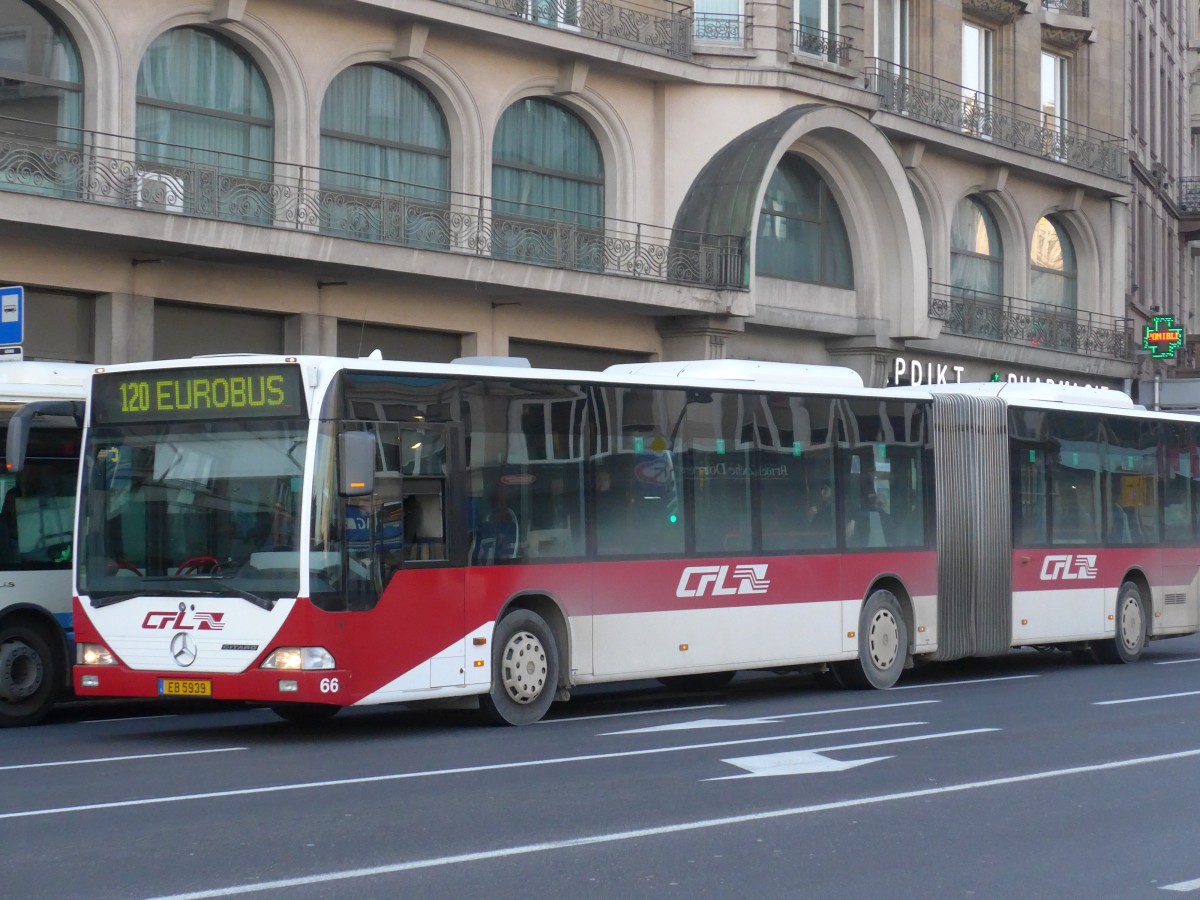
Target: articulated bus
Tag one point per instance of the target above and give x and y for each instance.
(312, 533)
(41, 428)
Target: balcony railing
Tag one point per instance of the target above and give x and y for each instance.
(664, 28)
(1189, 195)
(954, 107)
(815, 42)
(1070, 7)
(1012, 320)
(720, 28)
(92, 167)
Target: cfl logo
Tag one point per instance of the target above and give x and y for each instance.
(696, 581)
(179, 621)
(1068, 568)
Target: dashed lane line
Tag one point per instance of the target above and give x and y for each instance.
(680, 827)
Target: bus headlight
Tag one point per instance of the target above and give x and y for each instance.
(299, 658)
(94, 655)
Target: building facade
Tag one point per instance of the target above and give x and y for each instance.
(922, 190)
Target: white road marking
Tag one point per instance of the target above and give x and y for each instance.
(797, 762)
(108, 759)
(1183, 886)
(129, 719)
(638, 712)
(464, 770)
(916, 687)
(1175, 662)
(678, 828)
(1144, 699)
(765, 720)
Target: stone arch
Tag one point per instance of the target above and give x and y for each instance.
(868, 182)
(270, 52)
(616, 146)
(447, 87)
(1086, 248)
(99, 59)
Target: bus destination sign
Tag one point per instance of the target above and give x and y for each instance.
(209, 392)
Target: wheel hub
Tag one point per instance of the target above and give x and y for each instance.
(21, 671)
(524, 668)
(1131, 624)
(884, 639)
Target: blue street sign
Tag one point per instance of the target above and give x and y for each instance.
(12, 316)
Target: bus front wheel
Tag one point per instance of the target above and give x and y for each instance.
(882, 645)
(1130, 639)
(524, 670)
(29, 675)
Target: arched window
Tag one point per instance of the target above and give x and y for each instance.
(547, 168)
(801, 235)
(976, 254)
(203, 109)
(41, 98)
(383, 136)
(1053, 275)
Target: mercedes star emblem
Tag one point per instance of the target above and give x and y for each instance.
(183, 648)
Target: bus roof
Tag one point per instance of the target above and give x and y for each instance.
(1022, 392)
(38, 380)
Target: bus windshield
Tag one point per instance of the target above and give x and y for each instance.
(192, 508)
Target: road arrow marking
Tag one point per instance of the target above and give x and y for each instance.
(798, 762)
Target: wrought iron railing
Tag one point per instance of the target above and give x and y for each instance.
(815, 42)
(1013, 320)
(720, 28)
(1189, 195)
(954, 107)
(92, 167)
(1070, 7)
(660, 28)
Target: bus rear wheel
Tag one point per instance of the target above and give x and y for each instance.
(524, 670)
(29, 675)
(1130, 640)
(882, 645)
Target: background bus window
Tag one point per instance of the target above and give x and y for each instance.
(1028, 457)
(1179, 478)
(883, 478)
(1132, 467)
(639, 484)
(717, 469)
(795, 453)
(1075, 507)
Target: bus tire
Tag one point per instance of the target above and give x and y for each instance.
(29, 674)
(704, 681)
(882, 645)
(1130, 640)
(524, 670)
(306, 715)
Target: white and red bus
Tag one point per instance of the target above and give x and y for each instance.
(41, 428)
(315, 533)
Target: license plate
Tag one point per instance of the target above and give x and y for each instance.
(184, 687)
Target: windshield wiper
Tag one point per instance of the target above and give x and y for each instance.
(219, 590)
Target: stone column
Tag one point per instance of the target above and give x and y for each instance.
(698, 337)
(124, 329)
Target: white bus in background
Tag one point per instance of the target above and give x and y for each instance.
(41, 417)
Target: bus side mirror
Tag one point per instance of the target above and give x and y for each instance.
(18, 427)
(356, 463)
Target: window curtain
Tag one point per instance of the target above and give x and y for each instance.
(546, 165)
(801, 234)
(40, 76)
(383, 133)
(976, 254)
(206, 94)
(1053, 275)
